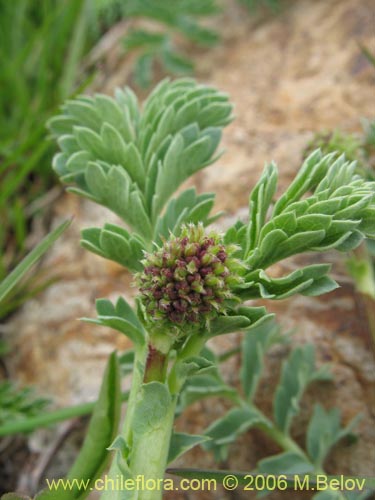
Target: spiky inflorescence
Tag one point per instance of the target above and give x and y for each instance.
(186, 282)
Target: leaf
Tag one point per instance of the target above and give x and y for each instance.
(182, 442)
(176, 63)
(311, 173)
(285, 463)
(228, 324)
(19, 272)
(188, 207)
(152, 408)
(93, 456)
(254, 346)
(309, 280)
(195, 365)
(226, 429)
(143, 70)
(324, 431)
(328, 495)
(121, 318)
(202, 386)
(259, 203)
(298, 371)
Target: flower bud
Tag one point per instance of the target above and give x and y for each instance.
(185, 282)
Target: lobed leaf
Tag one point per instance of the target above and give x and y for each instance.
(298, 372)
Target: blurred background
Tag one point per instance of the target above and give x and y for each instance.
(301, 74)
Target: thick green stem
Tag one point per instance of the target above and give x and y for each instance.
(192, 347)
(284, 441)
(150, 456)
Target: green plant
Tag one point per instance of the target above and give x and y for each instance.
(41, 48)
(160, 44)
(132, 161)
(361, 149)
(298, 371)
(18, 404)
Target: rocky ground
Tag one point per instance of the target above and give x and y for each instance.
(288, 76)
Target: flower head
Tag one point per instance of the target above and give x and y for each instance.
(186, 282)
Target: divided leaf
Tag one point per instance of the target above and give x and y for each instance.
(310, 280)
(285, 463)
(120, 317)
(297, 373)
(132, 161)
(115, 243)
(226, 429)
(182, 442)
(324, 432)
(254, 346)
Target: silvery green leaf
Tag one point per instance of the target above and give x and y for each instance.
(76, 164)
(226, 429)
(228, 324)
(120, 112)
(60, 125)
(202, 386)
(68, 144)
(182, 442)
(328, 495)
(83, 113)
(120, 317)
(114, 144)
(132, 161)
(143, 70)
(288, 462)
(324, 432)
(367, 225)
(352, 241)
(89, 141)
(254, 346)
(320, 286)
(176, 63)
(195, 365)
(237, 235)
(298, 372)
(151, 409)
(259, 203)
(119, 324)
(122, 452)
(258, 284)
(123, 248)
(311, 173)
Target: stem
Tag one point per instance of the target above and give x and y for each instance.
(285, 442)
(156, 365)
(150, 455)
(192, 347)
(361, 268)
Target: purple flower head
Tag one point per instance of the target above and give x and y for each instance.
(185, 282)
